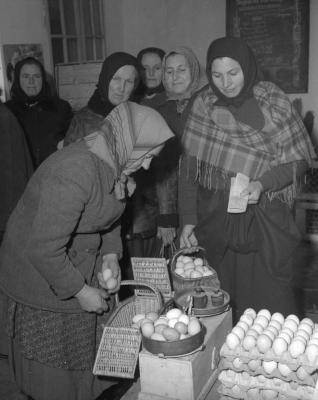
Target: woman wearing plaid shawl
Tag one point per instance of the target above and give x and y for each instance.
(240, 124)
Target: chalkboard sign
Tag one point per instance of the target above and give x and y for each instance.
(278, 33)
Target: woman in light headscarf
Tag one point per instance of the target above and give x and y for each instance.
(241, 124)
(153, 210)
(116, 84)
(65, 224)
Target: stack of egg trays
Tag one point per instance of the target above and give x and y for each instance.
(238, 362)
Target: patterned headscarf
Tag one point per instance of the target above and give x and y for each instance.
(99, 102)
(128, 133)
(194, 68)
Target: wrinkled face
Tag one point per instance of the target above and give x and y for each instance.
(122, 84)
(143, 162)
(152, 66)
(31, 79)
(177, 74)
(227, 75)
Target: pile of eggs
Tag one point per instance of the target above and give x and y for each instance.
(265, 332)
(189, 267)
(174, 325)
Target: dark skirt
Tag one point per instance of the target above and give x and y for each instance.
(52, 354)
(253, 253)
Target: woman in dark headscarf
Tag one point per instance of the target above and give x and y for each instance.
(44, 117)
(150, 65)
(240, 124)
(116, 83)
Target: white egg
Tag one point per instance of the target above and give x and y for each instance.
(249, 342)
(296, 348)
(180, 258)
(311, 352)
(251, 312)
(243, 325)
(264, 343)
(188, 265)
(195, 274)
(198, 262)
(301, 373)
(173, 313)
(279, 346)
(291, 324)
(248, 319)
(308, 321)
(179, 271)
(306, 327)
(186, 259)
(232, 341)
(172, 322)
(137, 318)
(269, 333)
(239, 332)
(276, 324)
(278, 317)
(285, 336)
(258, 328)
(265, 313)
(269, 366)
(262, 320)
(184, 318)
(194, 326)
(284, 369)
(293, 317)
(237, 363)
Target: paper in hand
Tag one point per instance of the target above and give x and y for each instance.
(238, 203)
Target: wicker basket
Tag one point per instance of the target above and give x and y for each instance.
(180, 283)
(118, 350)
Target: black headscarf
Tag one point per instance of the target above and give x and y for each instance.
(18, 95)
(99, 102)
(239, 51)
(143, 90)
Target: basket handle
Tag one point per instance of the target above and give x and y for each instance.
(186, 250)
(138, 283)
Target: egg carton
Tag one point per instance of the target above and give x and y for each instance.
(243, 386)
(285, 358)
(300, 376)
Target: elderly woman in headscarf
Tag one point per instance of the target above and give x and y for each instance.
(62, 235)
(239, 124)
(151, 71)
(153, 210)
(116, 84)
(44, 117)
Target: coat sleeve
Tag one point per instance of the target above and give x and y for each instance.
(62, 201)
(111, 240)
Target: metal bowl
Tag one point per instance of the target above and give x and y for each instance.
(176, 347)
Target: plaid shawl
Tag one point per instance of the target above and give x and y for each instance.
(220, 143)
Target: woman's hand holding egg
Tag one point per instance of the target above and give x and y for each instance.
(110, 277)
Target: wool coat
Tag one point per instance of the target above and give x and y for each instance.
(65, 218)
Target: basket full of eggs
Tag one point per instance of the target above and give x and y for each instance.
(190, 269)
(171, 334)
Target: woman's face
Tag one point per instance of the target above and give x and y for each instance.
(152, 66)
(31, 79)
(177, 74)
(143, 162)
(122, 84)
(227, 76)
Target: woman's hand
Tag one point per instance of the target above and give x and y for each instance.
(187, 238)
(167, 235)
(253, 191)
(110, 261)
(93, 299)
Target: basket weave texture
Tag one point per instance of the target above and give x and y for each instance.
(180, 283)
(118, 350)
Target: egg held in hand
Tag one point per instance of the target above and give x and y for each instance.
(110, 281)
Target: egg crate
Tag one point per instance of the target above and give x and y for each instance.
(242, 385)
(309, 379)
(118, 350)
(285, 358)
(153, 271)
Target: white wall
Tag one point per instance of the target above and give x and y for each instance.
(24, 22)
